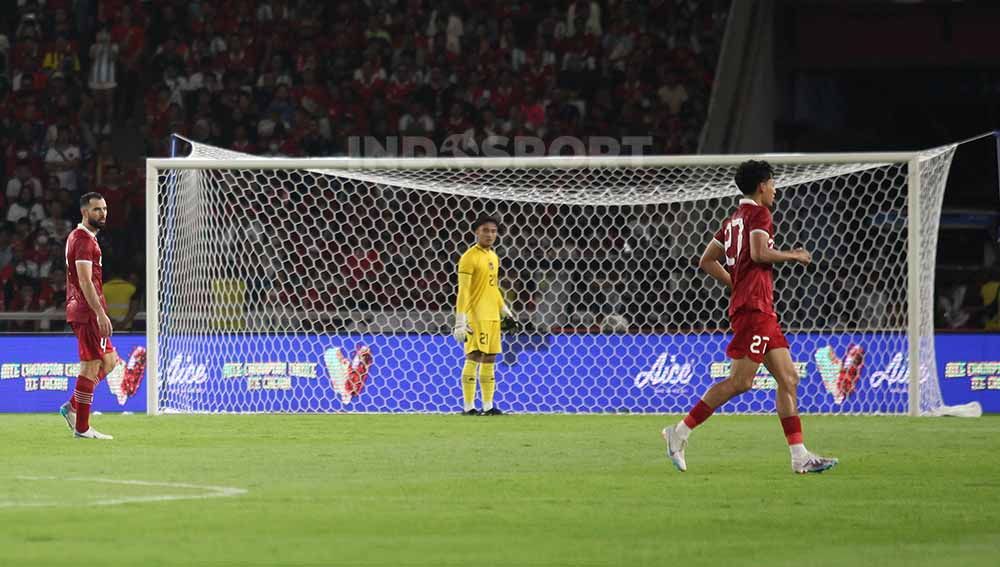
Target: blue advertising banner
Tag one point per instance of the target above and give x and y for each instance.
(38, 372)
(969, 369)
(559, 373)
(556, 373)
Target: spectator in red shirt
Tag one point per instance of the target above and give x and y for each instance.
(241, 141)
(532, 109)
(52, 292)
(477, 93)
(457, 122)
(310, 95)
(633, 89)
(505, 95)
(401, 85)
(238, 55)
(24, 299)
(370, 78)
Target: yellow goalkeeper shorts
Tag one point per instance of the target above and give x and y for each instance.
(485, 337)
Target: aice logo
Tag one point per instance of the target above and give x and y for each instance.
(183, 370)
(896, 373)
(666, 370)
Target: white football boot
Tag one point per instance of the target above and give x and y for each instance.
(811, 463)
(675, 447)
(91, 434)
(69, 415)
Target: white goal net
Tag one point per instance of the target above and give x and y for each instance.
(281, 285)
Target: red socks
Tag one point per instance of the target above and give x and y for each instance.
(72, 399)
(83, 396)
(699, 413)
(793, 429)
(702, 411)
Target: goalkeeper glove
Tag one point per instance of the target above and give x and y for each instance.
(508, 322)
(462, 330)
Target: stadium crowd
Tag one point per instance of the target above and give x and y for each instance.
(81, 81)
(89, 88)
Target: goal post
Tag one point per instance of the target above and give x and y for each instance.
(267, 276)
(914, 302)
(152, 290)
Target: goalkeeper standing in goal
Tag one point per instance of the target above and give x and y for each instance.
(478, 312)
(741, 256)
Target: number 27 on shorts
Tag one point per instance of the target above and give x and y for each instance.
(759, 344)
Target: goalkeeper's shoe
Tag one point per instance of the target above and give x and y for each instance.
(675, 447)
(69, 415)
(472, 412)
(811, 463)
(493, 411)
(91, 434)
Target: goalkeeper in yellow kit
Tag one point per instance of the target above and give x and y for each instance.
(478, 312)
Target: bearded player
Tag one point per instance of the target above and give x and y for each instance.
(741, 256)
(86, 312)
(478, 312)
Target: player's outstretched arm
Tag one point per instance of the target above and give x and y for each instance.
(761, 253)
(711, 263)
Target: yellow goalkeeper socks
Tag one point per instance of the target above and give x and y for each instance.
(469, 384)
(488, 383)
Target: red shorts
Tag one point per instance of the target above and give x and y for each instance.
(91, 344)
(755, 333)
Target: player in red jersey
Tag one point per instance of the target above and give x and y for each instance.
(86, 312)
(741, 256)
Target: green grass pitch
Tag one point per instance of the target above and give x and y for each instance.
(515, 490)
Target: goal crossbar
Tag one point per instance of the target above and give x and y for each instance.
(555, 162)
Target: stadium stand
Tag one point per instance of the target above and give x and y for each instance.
(81, 82)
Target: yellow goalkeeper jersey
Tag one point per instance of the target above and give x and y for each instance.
(478, 294)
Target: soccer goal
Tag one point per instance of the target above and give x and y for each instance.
(328, 285)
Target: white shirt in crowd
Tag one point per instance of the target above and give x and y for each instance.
(102, 66)
(34, 212)
(14, 186)
(67, 177)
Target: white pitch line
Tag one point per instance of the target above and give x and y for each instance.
(213, 492)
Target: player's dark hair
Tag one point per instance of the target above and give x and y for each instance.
(483, 219)
(752, 173)
(88, 197)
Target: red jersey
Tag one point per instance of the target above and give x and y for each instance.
(82, 246)
(753, 283)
